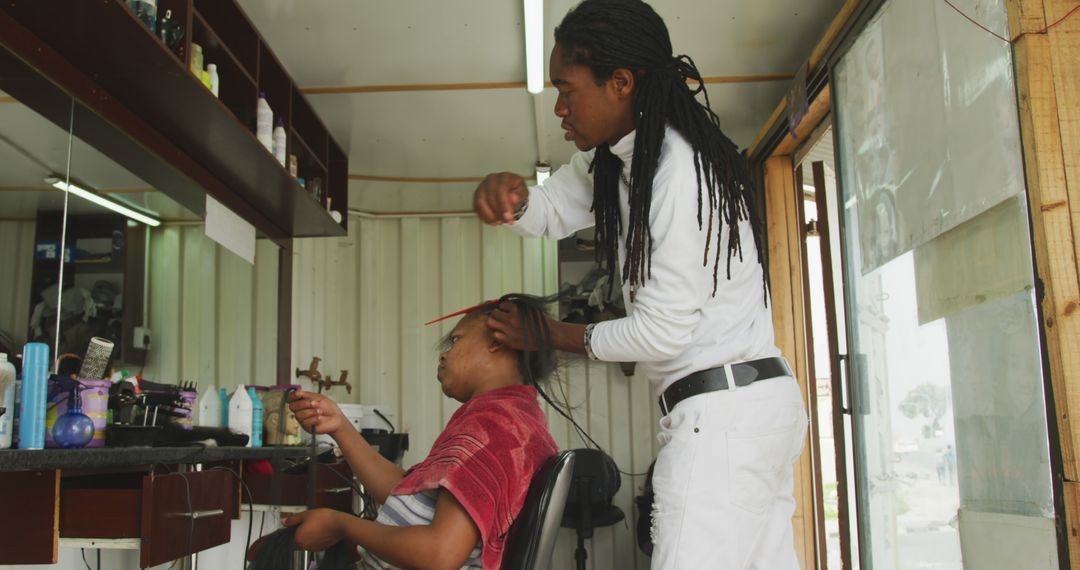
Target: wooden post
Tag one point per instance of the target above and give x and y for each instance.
(1048, 86)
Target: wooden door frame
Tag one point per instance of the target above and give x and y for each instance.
(773, 155)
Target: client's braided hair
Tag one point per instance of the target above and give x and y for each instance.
(606, 35)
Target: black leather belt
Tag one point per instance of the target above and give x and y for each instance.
(717, 379)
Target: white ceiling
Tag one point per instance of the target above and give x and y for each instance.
(468, 133)
(447, 133)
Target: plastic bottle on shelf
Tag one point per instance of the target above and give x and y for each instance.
(196, 64)
(223, 396)
(215, 81)
(240, 413)
(210, 409)
(256, 418)
(264, 123)
(7, 401)
(279, 141)
(293, 169)
(74, 429)
(34, 390)
(146, 11)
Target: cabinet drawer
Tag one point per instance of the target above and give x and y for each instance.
(100, 513)
(184, 513)
(332, 489)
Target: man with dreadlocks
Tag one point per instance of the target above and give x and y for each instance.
(668, 194)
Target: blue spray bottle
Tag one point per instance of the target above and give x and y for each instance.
(73, 429)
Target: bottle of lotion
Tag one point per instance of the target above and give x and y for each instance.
(7, 401)
(240, 413)
(264, 123)
(279, 142)
(210, 409)
(215, 81)
(223, 396)
(256, 418)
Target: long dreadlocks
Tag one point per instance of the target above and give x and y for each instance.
(606, 35)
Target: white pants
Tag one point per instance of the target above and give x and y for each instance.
(723, 479)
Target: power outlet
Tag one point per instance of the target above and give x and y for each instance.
(142, 338)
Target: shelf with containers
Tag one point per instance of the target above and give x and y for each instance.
(128, 64)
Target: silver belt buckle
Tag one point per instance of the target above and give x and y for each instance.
(663, 403)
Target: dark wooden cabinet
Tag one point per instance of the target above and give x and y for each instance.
(153, 499)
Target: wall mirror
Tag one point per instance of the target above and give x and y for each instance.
(139, 268)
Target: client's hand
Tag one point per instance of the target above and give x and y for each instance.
(317, 413)
(317, 529)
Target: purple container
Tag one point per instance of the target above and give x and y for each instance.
(95, 403)
(190, 397)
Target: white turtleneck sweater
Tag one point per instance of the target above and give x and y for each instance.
(675, 326)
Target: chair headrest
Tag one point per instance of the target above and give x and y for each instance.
(599, 471)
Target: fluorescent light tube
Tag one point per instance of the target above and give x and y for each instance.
(543, 171)
(104, 202)
(534, 45)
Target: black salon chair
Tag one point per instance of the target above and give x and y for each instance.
(589, 504)
(532, 536)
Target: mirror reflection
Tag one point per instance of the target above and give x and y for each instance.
(32, 149)
(180, 308)
(139, 268)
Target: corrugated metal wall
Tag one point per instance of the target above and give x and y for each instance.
(16, 266)
(212, 316)
(360, 303)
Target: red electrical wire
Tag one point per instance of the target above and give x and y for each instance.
(1017, 38)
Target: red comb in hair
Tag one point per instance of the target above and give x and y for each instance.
(463, 311)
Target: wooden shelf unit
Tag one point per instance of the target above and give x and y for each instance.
(128, 65)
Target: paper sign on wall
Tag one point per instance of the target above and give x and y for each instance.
(230, 230)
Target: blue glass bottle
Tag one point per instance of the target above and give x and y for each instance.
(74, 429)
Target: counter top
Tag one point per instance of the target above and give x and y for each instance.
(37, 459)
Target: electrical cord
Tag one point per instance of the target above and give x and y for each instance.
(83, 550)
(187, 486)
(1018, 36)
(368, 511)
(251, 509)
(191, 513)
(384, 418)
(584, 435)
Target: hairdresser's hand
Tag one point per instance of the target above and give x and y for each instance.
(505, 324)
(317, 529)
(317, 413)
(499, 196)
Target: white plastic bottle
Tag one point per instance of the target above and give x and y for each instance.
(264, 123)
(210, 408)
(215, 81)
(279, 142)
(240, 413)
(7, 401)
